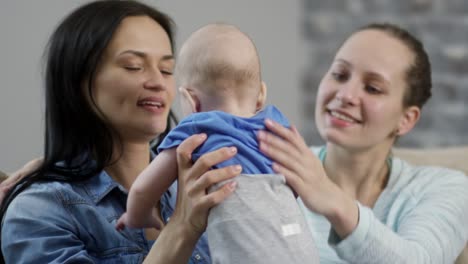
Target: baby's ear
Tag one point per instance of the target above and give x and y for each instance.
(261, 99)
(189, 101)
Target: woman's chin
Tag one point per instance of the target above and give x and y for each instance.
(333, 137)
(153, 131)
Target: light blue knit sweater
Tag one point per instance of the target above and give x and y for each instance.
(420, 217)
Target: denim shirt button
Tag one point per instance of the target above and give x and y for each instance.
(198, 257)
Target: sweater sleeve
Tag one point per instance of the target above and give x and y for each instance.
(433, 230)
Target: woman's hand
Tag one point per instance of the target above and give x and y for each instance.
(15, 177)
(178, 238)
(306, 175)
(193, 200)
(293, 159)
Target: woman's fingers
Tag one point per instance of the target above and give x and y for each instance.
(289, 134)
(215, 176)
(278, 149)
(15, 177)
(207, 177)
(4, 189)
(208, 160)
(303, 171)
(185, 149)
(193, 201)
(282, 138)
(290, 176)
(121, 222)
(205, 162)
(216, 197)
(21, 173)
(285, 146)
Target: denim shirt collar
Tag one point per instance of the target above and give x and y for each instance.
(100, 186)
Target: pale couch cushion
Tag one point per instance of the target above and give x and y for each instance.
(454, 158)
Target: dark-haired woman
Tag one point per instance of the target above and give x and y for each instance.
(109, 88)
(362, 204)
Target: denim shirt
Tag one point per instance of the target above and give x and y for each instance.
(57, 222)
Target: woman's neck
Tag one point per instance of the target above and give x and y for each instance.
(361, 174)
(131, 160)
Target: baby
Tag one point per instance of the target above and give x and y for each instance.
(218, 69)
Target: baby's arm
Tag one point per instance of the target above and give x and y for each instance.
(148, 189)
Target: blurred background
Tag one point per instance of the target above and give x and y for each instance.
(296, 41)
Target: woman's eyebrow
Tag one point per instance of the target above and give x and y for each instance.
(144, 55)
(343, 61)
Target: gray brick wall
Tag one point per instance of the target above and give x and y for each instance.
(442, 25)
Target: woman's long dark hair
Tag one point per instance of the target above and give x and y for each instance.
(78, 144)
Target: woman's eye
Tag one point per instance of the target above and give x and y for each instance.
(132, 68)
(372, 89)
(166, 72)
(340, 77)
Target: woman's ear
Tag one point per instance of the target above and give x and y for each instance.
(261, 99)
(408, 120)
(189, 101)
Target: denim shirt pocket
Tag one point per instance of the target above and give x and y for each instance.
(96, 227)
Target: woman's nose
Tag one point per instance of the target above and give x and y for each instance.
(154, 80)
(348, 93)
